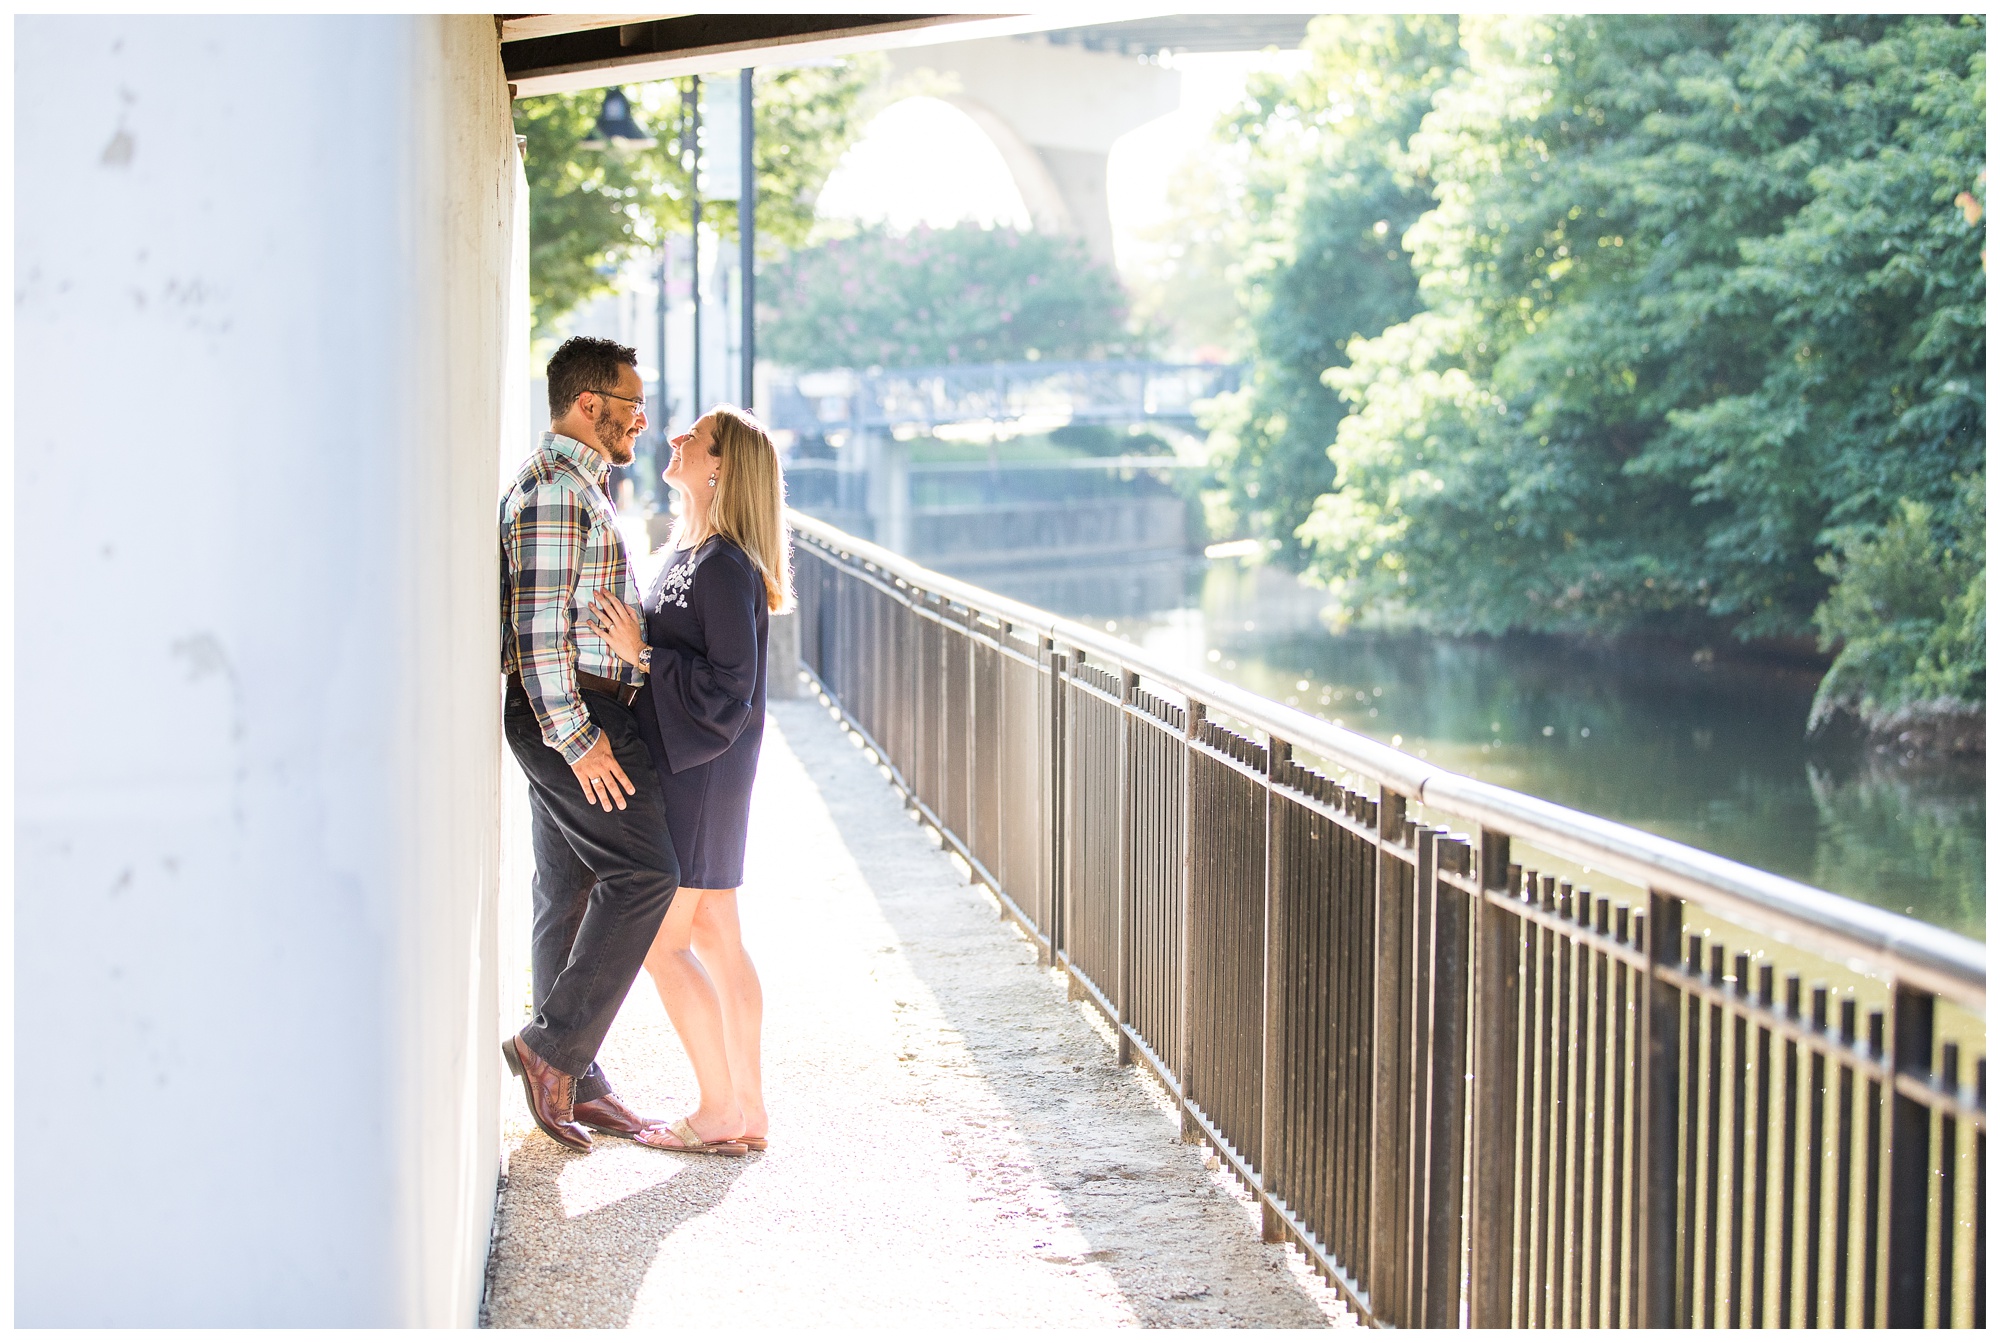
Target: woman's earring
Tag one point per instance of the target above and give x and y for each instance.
(711, 482)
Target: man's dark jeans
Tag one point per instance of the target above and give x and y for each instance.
(603, 881)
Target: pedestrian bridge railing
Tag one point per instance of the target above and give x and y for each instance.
(1027, 392)
(1468, 1087)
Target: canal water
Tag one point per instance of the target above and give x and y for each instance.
(1699, 745)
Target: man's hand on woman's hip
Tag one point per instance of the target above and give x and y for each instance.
(602, 776)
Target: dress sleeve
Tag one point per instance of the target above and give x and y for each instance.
(703, 701)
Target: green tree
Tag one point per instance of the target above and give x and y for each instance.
(1183, 273)
(591, 210)
(1331, 191)
(963, 294)
(1697, 299)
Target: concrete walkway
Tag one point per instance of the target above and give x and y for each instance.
(952, 1142)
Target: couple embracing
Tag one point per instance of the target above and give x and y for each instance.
(638, 722)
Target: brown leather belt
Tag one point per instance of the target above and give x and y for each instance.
(611, 689)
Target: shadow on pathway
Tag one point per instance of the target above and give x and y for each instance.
(952, 1142)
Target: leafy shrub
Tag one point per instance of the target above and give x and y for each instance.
(1104, 440)
(1908, 607)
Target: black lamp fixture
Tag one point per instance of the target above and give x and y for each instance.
(615, 129)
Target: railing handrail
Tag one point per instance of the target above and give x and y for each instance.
(1941, 961)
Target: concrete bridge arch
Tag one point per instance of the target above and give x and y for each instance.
(1053, 112)
(1054, 103)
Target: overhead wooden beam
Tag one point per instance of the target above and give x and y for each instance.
(515, 27)
(640, 48)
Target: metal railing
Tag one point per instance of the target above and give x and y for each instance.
(1470, 1092)
(1110, 391)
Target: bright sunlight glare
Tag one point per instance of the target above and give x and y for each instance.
(922, 161)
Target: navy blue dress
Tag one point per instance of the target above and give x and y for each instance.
(702, 711)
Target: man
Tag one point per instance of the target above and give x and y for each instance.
(604, 865)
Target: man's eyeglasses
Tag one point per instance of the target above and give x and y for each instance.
(638, 402)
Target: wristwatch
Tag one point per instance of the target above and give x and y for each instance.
(646, 658)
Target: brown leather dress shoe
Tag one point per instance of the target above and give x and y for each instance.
(608, 1114)
(550, 1094)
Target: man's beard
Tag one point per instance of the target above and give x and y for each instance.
(612, 439)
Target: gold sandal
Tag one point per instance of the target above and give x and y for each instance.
(689, 1141)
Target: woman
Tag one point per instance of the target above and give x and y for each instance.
(702, 642)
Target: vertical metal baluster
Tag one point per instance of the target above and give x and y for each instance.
(1128, 804)
(1417, 1086)
(1843, 1169)
(1388, 1285)
(1690, 1169)
(1305, 973)
(1496, 1029)
(1275, 995)
(1191, 732)
(1562, 1260)
(1545, 1106)
(1316, 960)
(1298, 1018)
(1329, 1180)
(1871, 1187)
(1241, 1034)
(1361, 1040)
(1335, 951)
(1365, 1029)
(1229, 881)
(1338, 1168)
(1073, 902)
(1600, 1065)
(1326, 1068)
(1739, 1119)
(1255, 801)
(1057, 738)
(1947, 1195)
(1343, 1156)
(1451, 995)
(1621, 1079)
(1528, 1122)
(1215, 929)
(1536, 1198)
(1815, 1151)
(1788, 1172)
(1223, 960)
(1761, 1164)
(1979, 1201)
(1333, 948)
(1711, 1231)
(1659, 1121)
(1911, 1022)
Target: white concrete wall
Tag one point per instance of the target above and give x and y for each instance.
(262, 299)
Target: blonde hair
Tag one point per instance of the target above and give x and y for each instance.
(749, 505)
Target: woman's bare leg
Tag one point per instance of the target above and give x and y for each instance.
(718, 940)
(690, 999)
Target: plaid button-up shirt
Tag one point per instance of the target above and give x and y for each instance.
(560, 541)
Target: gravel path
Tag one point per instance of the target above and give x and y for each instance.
(952, 1141)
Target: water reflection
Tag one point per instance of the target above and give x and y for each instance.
(1707, 749)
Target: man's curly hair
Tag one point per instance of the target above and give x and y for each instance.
(585, 364)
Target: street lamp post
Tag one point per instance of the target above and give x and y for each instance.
(691, 147)
(617, 132)
(746, 235)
